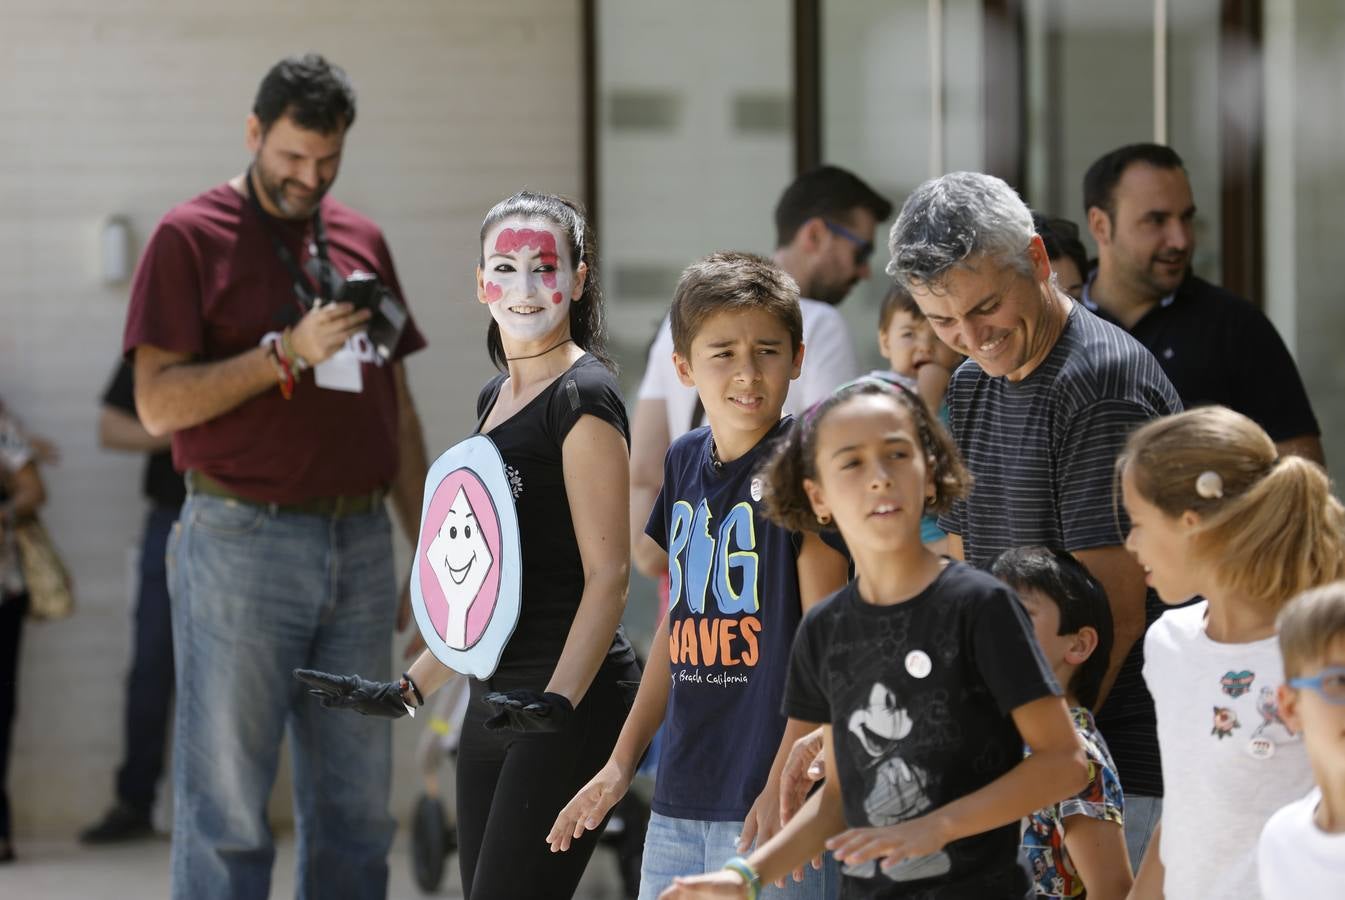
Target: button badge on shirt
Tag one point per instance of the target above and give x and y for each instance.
(755, 489)
(1260, 748)
(918, 664)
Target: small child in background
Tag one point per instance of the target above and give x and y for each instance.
(924, 364)
(1077, 845)
(1302, 850)
(1216, 512)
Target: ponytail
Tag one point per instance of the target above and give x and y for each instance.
(1269, 525)
(1286, 534)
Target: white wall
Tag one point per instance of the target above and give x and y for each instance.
(1316, 146)
(128, 108)
(694, 181)
(877, 106)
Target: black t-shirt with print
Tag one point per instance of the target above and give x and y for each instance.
(919, 696)
(530, 443)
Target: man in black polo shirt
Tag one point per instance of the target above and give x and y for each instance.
(1214, 346)
(1040, 411)
(149, 685)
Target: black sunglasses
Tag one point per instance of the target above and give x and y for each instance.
(863, 248)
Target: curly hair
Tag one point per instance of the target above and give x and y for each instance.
(795, 457)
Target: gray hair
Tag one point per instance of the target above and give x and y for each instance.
(948, 220)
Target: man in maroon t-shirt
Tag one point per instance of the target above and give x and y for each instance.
(292, 427)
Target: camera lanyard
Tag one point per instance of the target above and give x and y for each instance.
(303, 288)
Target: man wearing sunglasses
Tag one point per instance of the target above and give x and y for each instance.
(824, 224)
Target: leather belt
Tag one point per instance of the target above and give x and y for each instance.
(331, 507)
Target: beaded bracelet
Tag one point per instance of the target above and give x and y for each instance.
(741, 866)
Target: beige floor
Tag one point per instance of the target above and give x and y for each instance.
(63, 870)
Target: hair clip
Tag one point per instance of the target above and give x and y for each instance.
(811, 412)
(1209, 485)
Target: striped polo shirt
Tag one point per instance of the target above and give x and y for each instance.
(1043, 452)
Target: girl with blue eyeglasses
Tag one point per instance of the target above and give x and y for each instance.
(1302, 849)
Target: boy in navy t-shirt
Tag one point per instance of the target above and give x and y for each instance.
(718, 663)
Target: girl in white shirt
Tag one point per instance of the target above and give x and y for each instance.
(1216, 514)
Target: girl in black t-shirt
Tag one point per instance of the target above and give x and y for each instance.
(547, 719)
(923, 671)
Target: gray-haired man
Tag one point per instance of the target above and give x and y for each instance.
(1040, 411)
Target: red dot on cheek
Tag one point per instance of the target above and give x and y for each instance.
(493, 292)
(557, 297)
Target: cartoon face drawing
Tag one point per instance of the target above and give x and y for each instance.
(460, 559)
(462, 578)
(1225, 720)
(1235, 684)
(880, 724)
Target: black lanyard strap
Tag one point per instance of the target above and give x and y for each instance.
(304, 288)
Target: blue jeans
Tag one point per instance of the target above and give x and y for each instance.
(255, 595)
(675, 847)
(149, 686)
(1142, 816)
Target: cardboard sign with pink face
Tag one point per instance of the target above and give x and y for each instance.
(466, 576)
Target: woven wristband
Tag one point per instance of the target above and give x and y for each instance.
(742, 867)
(299, 362)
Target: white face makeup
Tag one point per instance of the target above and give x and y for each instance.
(460, 559)
(527, 280)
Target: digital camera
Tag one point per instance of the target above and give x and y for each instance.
(364, 290)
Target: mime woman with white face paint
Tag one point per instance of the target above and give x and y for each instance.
(547, 719)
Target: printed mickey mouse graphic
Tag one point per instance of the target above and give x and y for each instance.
(898, 790)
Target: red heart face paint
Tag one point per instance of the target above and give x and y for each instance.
(524, 269)
(512, 241)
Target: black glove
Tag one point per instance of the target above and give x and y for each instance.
(524, 710)
(368, 698)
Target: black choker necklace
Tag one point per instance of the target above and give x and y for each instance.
(543, 353)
